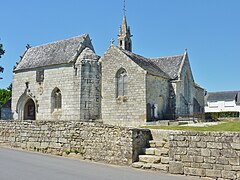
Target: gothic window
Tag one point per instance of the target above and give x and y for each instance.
(121, 82)
(56, 99)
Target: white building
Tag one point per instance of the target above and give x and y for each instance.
(222, 101)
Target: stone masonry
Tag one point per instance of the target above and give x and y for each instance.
(61, 77)
(205, 154)
(70, 65)
(157, 95)
(67, 80)
(119, 111)
(156, 155)
(93, 141)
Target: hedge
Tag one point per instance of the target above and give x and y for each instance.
(216, 115)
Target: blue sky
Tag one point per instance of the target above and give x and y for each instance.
(209, 29)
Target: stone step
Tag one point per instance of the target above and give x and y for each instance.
(137, 164)
(142, 165)
(162, 152)
(164, 160)
(149, 158)
(149, 151)
(161, 167)
(154, 143)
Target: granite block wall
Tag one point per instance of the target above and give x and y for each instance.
(184, 104)
(157, 95)
(62, 77)
(131, 109)
(93, 141)
(206, 154)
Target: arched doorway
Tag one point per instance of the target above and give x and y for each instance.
(30, 110)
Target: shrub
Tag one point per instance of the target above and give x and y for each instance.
(67, 152)
(216, 115)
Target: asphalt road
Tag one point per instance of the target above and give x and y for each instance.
(22, 165)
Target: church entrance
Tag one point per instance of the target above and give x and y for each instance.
(29, 110)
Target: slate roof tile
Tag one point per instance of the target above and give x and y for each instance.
(164, 66)
(54, 53)
(223, 96)
(169, 64)
(7, 104)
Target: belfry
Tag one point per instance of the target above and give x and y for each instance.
(124, 35)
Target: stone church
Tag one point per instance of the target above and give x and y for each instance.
(67, 80)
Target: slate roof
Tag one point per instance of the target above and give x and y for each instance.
(7, 104)
(164, 66)
(198, 86)
(224, 96)
(54, 53)
(170, 65)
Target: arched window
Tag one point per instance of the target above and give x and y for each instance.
(121, 82)
(56, 99)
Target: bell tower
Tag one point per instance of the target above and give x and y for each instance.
(124, 35)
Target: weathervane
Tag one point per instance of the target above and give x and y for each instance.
(124, 8)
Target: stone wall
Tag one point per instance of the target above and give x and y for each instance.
(129, 110)
(78, 83)
(89, 71)
(199, 96)
(93, 141)
(205, 154)
(157, 96)
(182, 101)
(61, 77)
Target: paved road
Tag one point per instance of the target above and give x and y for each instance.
(21, 165)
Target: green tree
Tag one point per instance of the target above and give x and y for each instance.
(1, 53)
(4, 96)
(9, 88)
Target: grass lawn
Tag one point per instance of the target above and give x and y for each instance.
(225, 126)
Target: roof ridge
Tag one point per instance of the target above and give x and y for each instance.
(225, 91)
(57, 41)
(167, 56)
(146, 60)
(125, 51)
(151, 57)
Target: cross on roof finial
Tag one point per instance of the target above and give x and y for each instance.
(112, 41)
(124, 8)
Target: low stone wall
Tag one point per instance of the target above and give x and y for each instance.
(94, 141)
(205, 154)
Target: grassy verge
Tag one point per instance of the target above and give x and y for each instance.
(225, 126)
